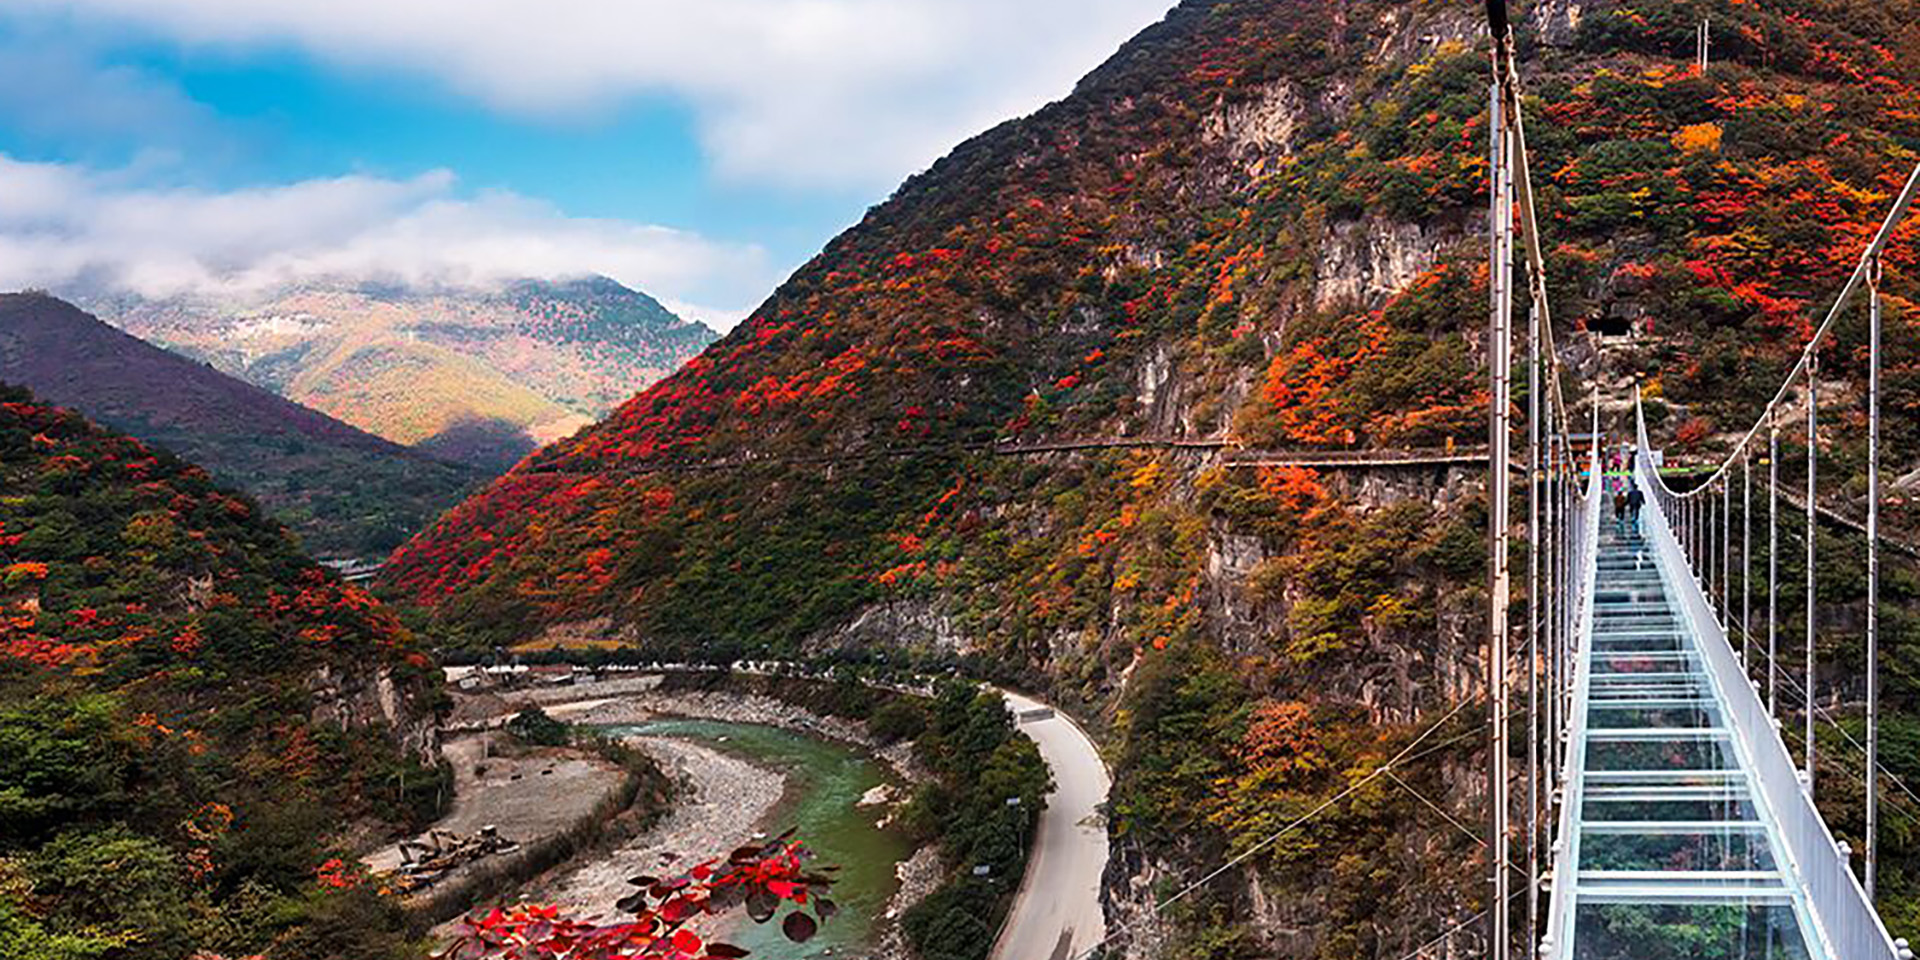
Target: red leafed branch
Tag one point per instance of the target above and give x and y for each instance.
(762, 878)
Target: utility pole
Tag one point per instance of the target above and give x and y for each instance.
(1873, 577)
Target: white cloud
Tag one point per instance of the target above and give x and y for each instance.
(62, 225)
(719, 318)
(797, 92)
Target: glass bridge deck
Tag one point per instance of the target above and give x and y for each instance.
(1675, 853)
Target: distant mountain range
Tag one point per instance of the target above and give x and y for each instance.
(345, 492)
(478, 376)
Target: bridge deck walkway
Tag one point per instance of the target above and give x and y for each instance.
(1674, 849)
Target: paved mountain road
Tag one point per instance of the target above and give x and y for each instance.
(1057, 913)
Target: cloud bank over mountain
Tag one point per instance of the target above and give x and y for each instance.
(63, 225)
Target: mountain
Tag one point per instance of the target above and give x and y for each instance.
(197, 723)
(478, 375)
(346, 493)
(1259, 226)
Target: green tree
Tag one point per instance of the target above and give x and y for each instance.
(117, 882)
(534, 726)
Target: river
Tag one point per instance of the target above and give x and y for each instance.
(825, 782)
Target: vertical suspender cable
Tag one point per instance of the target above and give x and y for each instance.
(1533, 623)
(1715, 520)
(1693, 536)
(1746, 555)
(1556, 535)
(1563, 494)
(1705, 496)
(1562, 557)
(1499, 363)
(1773, 564)
(1549, 599)
(1726, 555)
(1873, 576)
(1813, 470)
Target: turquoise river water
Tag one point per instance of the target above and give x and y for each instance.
(825, 781)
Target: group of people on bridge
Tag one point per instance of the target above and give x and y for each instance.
(1627, 498)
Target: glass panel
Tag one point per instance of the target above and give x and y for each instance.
(1642, 718)
(1614, 663)
(1616, 686)
(1667, 753)
(1687, 931)
(1629, 642)
(1726, 808)
(1603, 696)
(1658, 779)
(1739, 849)
(1602, 681)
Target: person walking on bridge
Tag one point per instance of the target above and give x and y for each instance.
(1636, 500)
(1620, 512)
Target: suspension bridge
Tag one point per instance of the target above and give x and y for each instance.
(1661, 811)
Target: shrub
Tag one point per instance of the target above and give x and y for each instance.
(535, 727)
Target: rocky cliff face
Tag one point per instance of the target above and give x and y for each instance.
(1256, 226)
(357, 699)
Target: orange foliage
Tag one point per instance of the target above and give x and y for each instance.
(1297, 488)
(1301, 383)
(1281, 739)
(1697, 138)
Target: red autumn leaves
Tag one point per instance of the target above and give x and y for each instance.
(759, 877)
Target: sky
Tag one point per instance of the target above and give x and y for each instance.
(696, 149)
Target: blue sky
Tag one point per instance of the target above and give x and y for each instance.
(699, 149)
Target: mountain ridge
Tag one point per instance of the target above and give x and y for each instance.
(479, 374)
(349, 493)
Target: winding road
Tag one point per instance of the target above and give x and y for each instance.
(1057, 913)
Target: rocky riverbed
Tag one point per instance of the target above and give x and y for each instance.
(721, 802)
(723, 797)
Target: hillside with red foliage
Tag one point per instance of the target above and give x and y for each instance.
(196, 717)
(1259, 222)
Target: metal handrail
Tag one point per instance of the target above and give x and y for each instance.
(1838, 904)
(1556, 939)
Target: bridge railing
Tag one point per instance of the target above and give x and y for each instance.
(1583, 547)
(1840, 909)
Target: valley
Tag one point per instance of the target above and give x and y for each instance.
(1176, 523)
(349, 495)
(746, 764)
